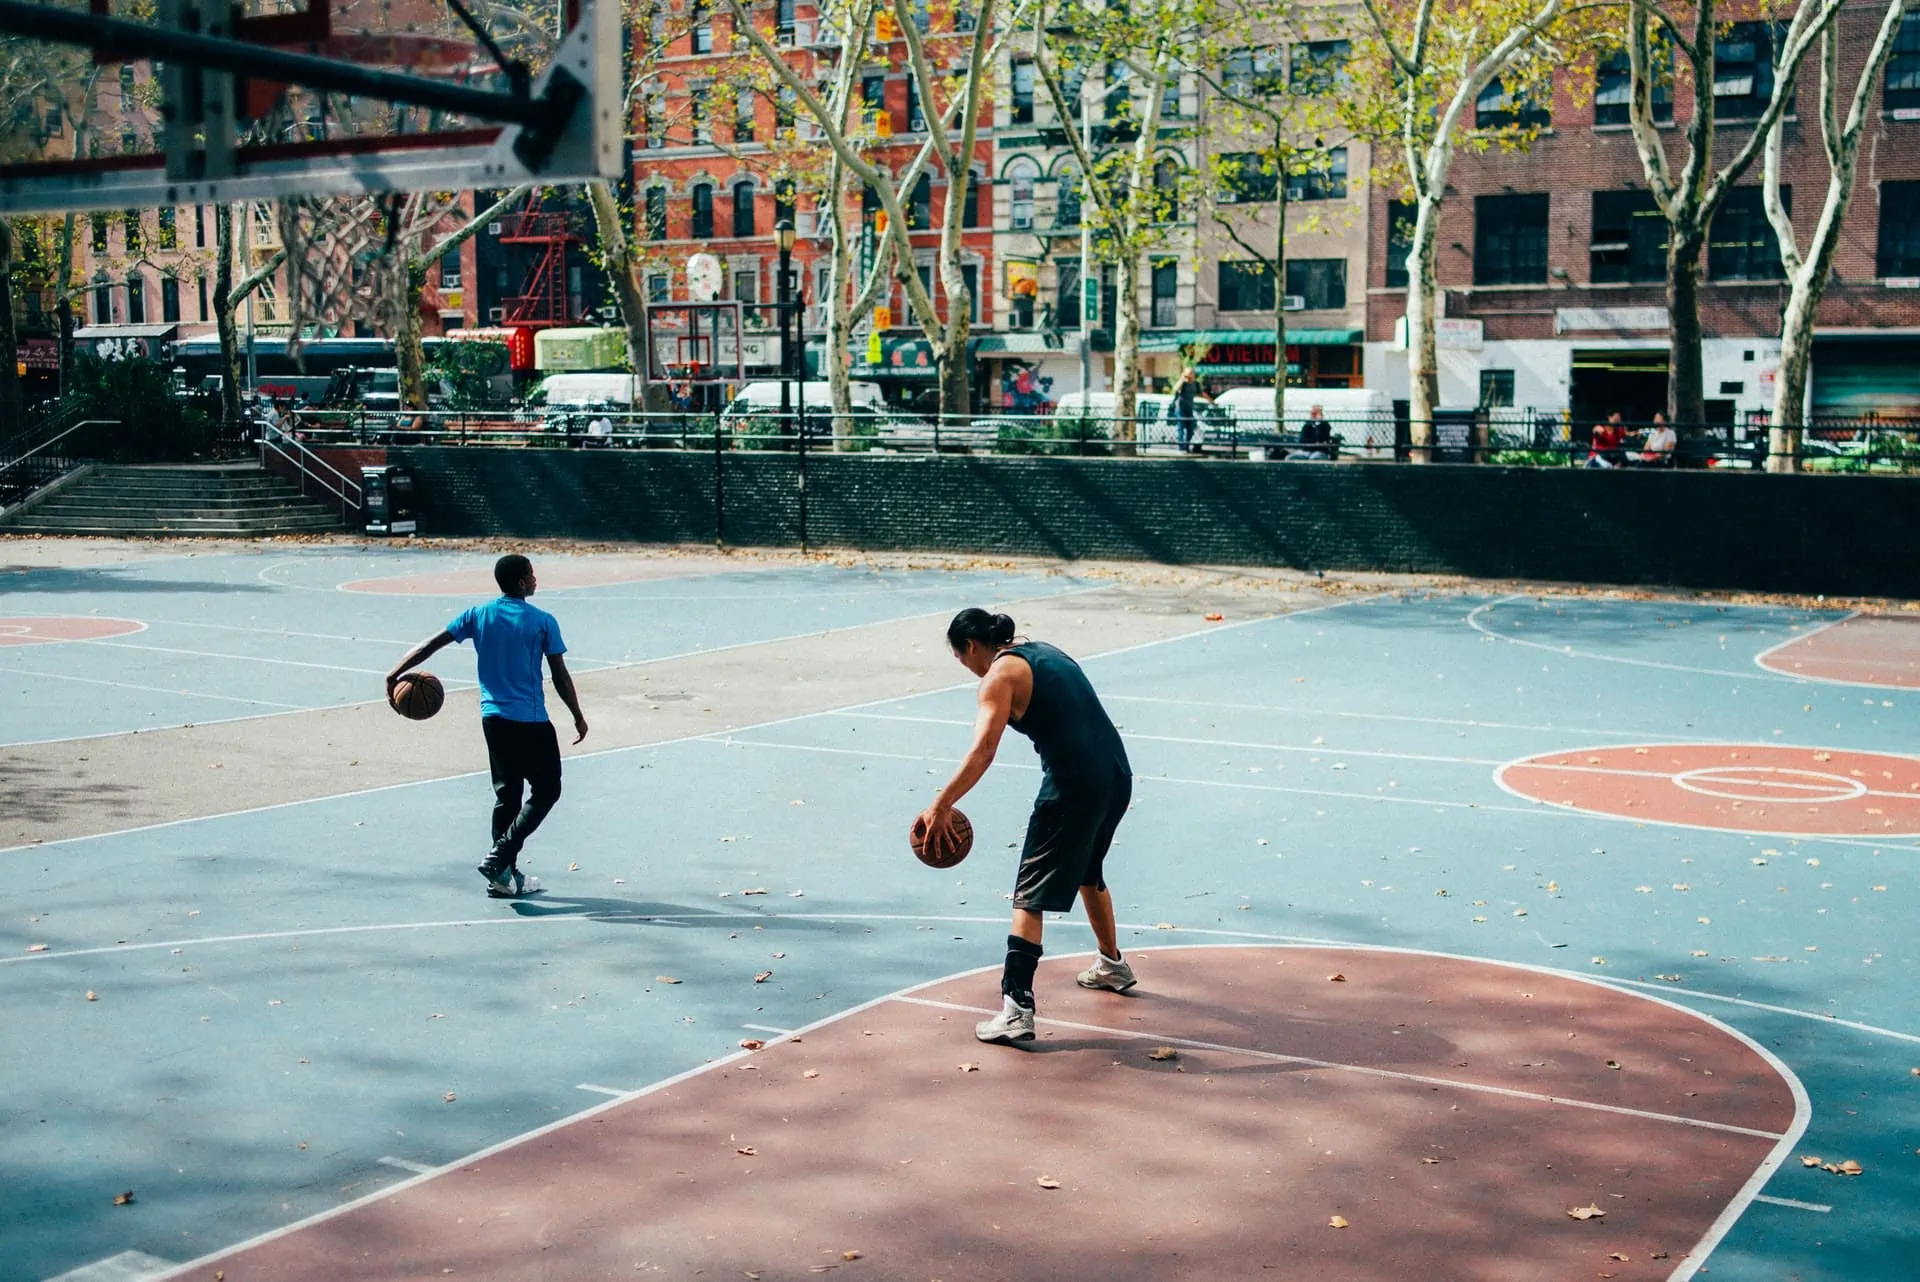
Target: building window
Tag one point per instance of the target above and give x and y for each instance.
(916, 119)
(169, 228)
(1510, 240)
(1022, 174)
(1629, 239)
(1496, 108)
(1170, 95)
(656, 213)
(1320, 67)
(1324, 179)
(1247, 177)
(1321, 283)
(97, 224)
(1401, 215)
(659, 287)
(1246, 287)
(1256, 73)
(746, 285)
(702, 21)
(136, 242)
(1066, 303)
(1613, 88)
(653, 118)
(702, 226)
(784, 20)
(199, 226)
(1496, 388)
(920, 209)
(126, 87)
(1166, 294)
(1743, 71)
(1903, 69)
(743, 210)
(136, 300)
(1740, 242)
(169, 300)
(1899, 229)
(699, 124)
(743, 116)
(873, 94)
(129, 140)
(450, 269)
(1020, 110)
(206, 312)
(970, 278)
(1166, 190)
(102, 300)
(784, 105)
(1066, 197)
(1118, 103)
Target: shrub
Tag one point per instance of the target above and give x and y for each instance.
(155, 423)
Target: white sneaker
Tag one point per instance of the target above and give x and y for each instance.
(1114, 976)
(1014, 1023)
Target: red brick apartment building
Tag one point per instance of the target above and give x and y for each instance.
(1552, 260)
(722, 155)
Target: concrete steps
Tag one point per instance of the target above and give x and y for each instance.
(231, 500)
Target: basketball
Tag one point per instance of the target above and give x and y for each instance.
(948, 851)
(418, 695)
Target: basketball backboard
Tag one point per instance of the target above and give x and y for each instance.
(701, 343)
(205, 101)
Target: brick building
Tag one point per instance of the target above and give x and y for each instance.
(1551, 261)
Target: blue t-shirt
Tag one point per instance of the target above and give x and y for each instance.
(511, 637)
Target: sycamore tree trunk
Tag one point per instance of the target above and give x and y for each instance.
(1423, 365)
(616, 247)
(63, 287)
(9, 347)
(224, 303)
(1686, 388)
(1126, 350)
(1280, 310)
(409, 356)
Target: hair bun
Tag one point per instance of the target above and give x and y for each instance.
(1002, 628)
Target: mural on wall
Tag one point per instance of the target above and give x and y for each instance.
(1025, 390)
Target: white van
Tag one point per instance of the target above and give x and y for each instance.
(581, 391)
(1152, 417)
(764, 398)
(1362, 417)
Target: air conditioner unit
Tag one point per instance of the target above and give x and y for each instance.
(496, 315)
(1295, 302)
(493, 229)
(1296, 193)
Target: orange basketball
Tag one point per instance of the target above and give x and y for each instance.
(950, 849)
(418, 695)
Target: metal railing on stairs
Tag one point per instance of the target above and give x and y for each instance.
(35, 459)
(312, 469)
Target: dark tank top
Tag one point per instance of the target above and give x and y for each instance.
(1075, 738)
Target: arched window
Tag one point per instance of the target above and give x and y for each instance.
(920, 212)
(1021, 175)
(743, 209)
(1066, 209)
(102, 300)
(1166, 190)
(702, 228)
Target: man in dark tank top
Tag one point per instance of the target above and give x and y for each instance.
(1085, 787)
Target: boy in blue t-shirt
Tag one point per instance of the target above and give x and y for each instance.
(511, 637)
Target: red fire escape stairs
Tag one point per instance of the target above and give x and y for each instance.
(542, 301)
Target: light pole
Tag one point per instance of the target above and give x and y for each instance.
(783, 241)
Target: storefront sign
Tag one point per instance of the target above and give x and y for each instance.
(1631, 319)
(41, 355)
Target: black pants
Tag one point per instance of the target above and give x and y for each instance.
(520, 754)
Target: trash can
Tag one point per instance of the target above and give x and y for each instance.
(386, 494)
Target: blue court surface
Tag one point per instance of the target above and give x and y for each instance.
(299, 1007)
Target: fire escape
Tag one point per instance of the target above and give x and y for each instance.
(542, 301)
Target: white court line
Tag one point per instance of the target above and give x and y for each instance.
(128, 1266)
(128, 685)
(1534, 763)
(274, 632)
(1402, 717)
(1568, 652)
(659, 743)
(1760, 660)
(769, 1028)
(1818, 1016)
(1803, 1110)
(401, 1163)
(1422, 1079)
(1794, 1203)
(595, 1089)
(239, 658)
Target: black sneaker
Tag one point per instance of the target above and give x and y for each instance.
(500, 883)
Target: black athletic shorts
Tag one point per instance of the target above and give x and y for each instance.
(1067, 842)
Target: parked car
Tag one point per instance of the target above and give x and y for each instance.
(1362, 417)
(755, 410)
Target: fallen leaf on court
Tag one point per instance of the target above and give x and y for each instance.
(1643, 890)
(448, 1097)
(1587, 1212)
(1337, 1222)
(1658, 1255)
(1704, 921)
(1681, 885)
(1215, 617)
(750, 1275)
(969, 1068)
(1823, 756)
(1613, 1064)
(1430, 1161)
(436, 1015)
(1639, 752)
(849, 1255)
(1599, 961)
(778, 956)
(747, 1150)
(757, 890)
(1809, 1161)
(1047, 1182)
(91, 996)
(573, 867)
(1914, 1071)
(823, 1268)
(36, 948)
(1671, 979)
(619, 881)
(1848, 1167)
(1699, 952)
(751, 1043)
(1519, 912)
(665, 979)
(811, 1073)
(1615, 1255)
(1163, 1053)
(1336, 979)
(1479, 918)
(763, 977)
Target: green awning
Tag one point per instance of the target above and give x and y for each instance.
(1174, 340)
(1018, 343)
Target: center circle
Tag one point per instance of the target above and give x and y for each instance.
(1769, 783)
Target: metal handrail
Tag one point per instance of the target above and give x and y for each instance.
(52, 441)
(272, 438)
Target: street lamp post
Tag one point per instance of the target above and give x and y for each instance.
(783, 240)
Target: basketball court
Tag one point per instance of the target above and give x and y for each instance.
(1479, 936)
